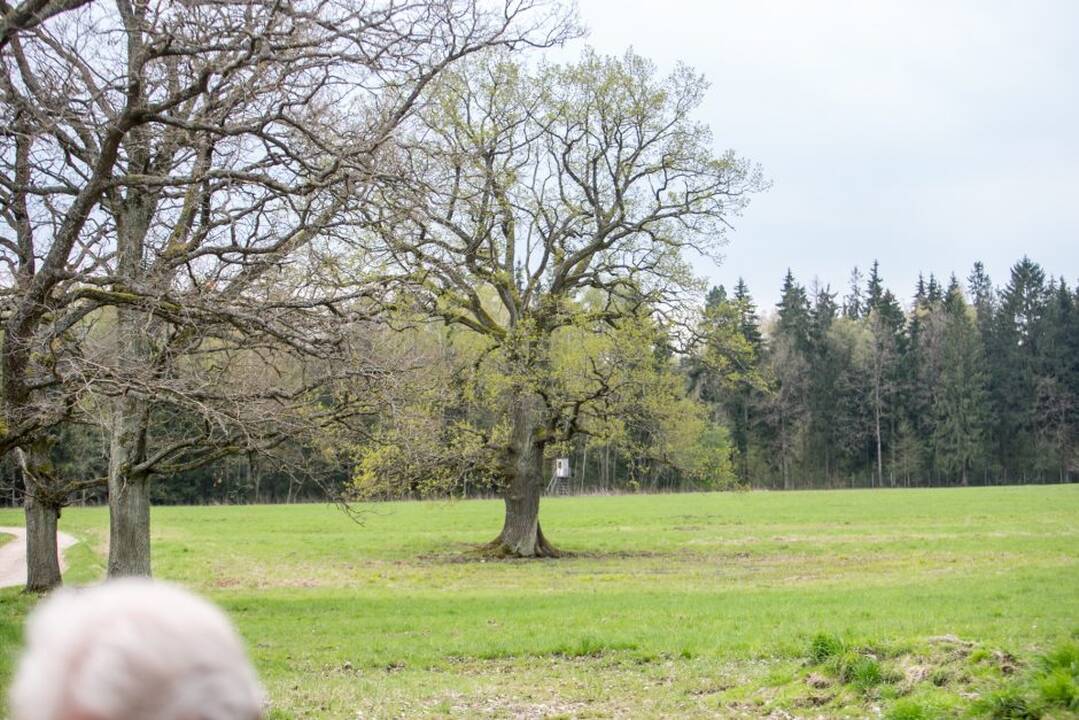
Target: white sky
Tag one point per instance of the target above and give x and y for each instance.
(924, 134)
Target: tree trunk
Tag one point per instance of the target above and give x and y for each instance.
(606, 465)
(880, 455)
(254, 477)
(783, 451)
(42, 509)
(129, 486)
(521, 534)
(42, 553)
(129, 491)
(584, 470)
(891, 465)
(745, 440)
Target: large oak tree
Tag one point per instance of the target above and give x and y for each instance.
(523, 188)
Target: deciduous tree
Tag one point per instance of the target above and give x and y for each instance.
(537, 185)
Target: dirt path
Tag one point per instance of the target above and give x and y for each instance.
(13, 555)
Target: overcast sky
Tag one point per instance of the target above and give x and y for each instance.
(924, 134)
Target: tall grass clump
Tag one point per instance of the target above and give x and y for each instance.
(1009, 703)
(1057, 680)
(1051, 686)
(824, 647)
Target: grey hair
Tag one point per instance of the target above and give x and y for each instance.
(133, 649)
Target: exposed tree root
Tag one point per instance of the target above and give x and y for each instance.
(501, 548)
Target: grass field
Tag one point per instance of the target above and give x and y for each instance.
(907, 604)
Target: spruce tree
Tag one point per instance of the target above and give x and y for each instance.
(916, 391)
(1056, 418)
(746, 396)
(980, 288)
(751, 325)
(788, 363)
(1015, 357)
(793, 316)
(874, 290)
(933, 293)
(961, 400)
(853, 307)
(886, 322)
(821, 397)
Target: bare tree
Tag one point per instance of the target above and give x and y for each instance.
(165, 158)
(524, 189)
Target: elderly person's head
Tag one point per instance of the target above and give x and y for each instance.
(133, 650)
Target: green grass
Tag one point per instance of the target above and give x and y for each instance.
(5, 538)
(736, 604)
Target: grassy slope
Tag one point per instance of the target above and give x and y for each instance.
(681, 604)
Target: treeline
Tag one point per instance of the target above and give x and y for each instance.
(969, 385)
(962, 386)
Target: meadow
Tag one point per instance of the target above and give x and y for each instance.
(905, 604)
